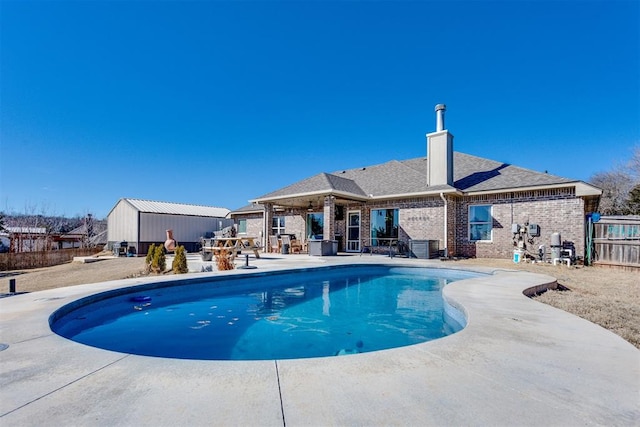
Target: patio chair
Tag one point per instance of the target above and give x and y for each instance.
(294, 244)
(274, 245)
(286, 244)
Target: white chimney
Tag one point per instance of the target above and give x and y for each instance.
(440, 152)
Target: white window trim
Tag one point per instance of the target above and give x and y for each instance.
(281, 227)
(245, 226)
(346, 242)
(469, 223)
(371, 238)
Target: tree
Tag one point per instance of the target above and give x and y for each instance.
(634, 201)
(620, 187)
(634, 164)
(159, 262)
(179, 264)
(615, 186)
(149, 259)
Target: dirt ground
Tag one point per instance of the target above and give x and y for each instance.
(608, 297)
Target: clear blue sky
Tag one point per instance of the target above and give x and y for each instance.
(219, 102)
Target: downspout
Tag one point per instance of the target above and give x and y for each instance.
(446, 255)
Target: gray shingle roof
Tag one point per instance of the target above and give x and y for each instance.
(322, 182)
(405, 177)
(253, 207)
(473, 173)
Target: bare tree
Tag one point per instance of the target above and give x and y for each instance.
(633, 166)
(615, 186)
(620, 186)
(88, 229)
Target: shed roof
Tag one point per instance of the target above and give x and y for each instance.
(26, 230)
(150, 206)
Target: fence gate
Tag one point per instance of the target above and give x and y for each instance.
(617, 241)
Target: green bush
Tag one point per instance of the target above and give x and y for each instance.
(159, 262)
(179, 265)
(150, 253)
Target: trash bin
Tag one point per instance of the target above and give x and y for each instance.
(517, 255)
(285, 249)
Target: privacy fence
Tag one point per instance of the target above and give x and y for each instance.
(26, 260)
(617, 242)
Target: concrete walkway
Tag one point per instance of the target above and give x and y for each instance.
(518, 362)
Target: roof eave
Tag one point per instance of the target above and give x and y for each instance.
(247, 211)
(427, 193)
(317, 193)
(582, 189)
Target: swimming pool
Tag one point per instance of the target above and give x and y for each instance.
(280, 315)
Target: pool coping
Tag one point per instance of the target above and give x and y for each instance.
(517, 361)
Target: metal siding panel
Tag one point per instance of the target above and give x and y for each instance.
(153, 227)
(122, 223)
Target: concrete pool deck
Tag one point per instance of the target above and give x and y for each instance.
(518, 362)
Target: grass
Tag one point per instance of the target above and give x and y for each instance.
(605, 296)
(614, 306)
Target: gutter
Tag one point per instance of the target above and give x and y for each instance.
(581, 189)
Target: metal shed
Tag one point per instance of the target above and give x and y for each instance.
(140, 223)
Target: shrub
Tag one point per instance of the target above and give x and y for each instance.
(223, 260)
(179, 265)
(149, 259)
(159, 262)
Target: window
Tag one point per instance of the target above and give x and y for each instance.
(384, 226)
(277, 225)
(242, 226)
(315, 225)
(480, 223)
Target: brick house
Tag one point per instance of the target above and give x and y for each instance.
(468, 204)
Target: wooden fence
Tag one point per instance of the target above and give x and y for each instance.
(617, 241)
(25, 260)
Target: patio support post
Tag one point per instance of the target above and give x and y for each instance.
(268, 219)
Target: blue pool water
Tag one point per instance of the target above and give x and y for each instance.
(300, 314)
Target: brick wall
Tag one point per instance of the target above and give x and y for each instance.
(553, 210)
(556, 210)
(254, 225)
